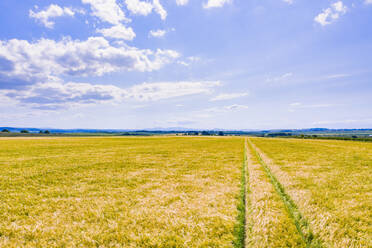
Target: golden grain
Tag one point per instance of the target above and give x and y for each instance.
(331, 183)
(119, 192)
(269, 224)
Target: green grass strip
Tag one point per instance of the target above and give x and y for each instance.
(248, 203)
(301, 223)
(239, 230)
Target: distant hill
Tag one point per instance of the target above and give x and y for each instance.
(308, 131)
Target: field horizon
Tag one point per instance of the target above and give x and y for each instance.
(185, 123)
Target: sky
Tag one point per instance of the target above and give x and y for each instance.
(205, 64)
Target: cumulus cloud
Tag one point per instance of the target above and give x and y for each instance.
(118, 32)
(182, 2)
(107, 11)
(159, 9)
(94, 57)
(368, 1)
(138, 7)
(216, 3)
(157, 33)
(331, 14)
(54, 95)
(52, 11)
(229, 96)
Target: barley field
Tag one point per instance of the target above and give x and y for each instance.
(184, 192)
(119, 192)
(268, 222)
(331, 184)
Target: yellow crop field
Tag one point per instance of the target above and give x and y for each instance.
(268, 222)
(331, 184)
(119, 192)
(185, 192)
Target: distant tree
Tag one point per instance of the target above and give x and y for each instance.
(205, 133)
(46, 132)
(220, 133)
(354, 136)
(24, 131)
(40, 131)
(5, 131)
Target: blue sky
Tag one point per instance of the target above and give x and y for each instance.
(232, 64)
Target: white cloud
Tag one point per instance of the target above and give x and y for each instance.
(118, 32)
(280, 78)
(295, 104)
(323, 17)
(51, 12)
(331, 14)
(368, 1)
(189, 60)
(229, 108)
(216, 3)
(158, 91)
(236, 107)
(159, 9)
(345, 121)
(53, 95)
(182, 2)
(139, 7)
(333, 76)
(157, 33)
(229, 96)
(107, 11)
(288, 1)
(46, 58)
(298, 105)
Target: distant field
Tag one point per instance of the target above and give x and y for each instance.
(184, 192)
(119, 192)
(331, 184)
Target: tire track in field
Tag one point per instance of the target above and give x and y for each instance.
(266, 212)
(240, 227)
(248, 209)
(302, 225)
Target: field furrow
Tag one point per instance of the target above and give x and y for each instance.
(330, 183)
(268, 221)
(240, 227)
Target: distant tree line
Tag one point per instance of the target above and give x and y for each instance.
(26, 131)
(205, 133)
(314, 136)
